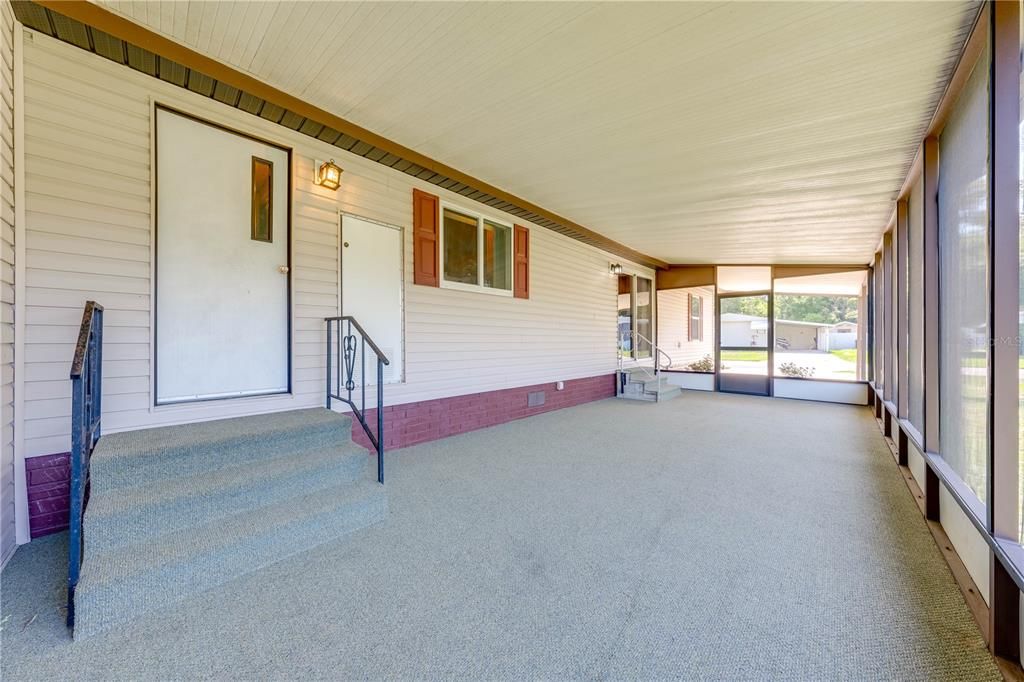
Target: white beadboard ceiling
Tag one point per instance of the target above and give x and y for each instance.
(693, 132)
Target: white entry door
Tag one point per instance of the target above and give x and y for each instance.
(222, 263)
(371, 290)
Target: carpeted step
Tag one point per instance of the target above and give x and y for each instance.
(119, 584)
(121, 460)
(118, 517)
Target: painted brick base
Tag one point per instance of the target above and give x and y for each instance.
(404, 425)
(48, 491)
(428, 420)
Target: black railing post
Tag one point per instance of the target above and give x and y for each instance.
(346, 339)
(86, 428)
(75, 512)
(329, 323)
(380, 420)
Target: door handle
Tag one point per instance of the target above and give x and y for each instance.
(283, 269)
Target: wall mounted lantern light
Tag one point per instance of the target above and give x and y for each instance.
(614, 269)
(328, 174)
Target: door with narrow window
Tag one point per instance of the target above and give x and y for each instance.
(222, 263)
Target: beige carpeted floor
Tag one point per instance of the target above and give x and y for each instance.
(708, 537)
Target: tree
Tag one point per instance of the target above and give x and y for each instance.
(800, 308)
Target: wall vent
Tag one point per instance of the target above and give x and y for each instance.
(535, 399)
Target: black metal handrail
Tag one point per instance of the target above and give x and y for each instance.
(86, 411)
(341, 358)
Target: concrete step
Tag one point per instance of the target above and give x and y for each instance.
(124, 460)
(133, 514)
(178, 510)
(142, 577)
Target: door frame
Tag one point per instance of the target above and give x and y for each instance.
(769, 379)
(342, 214)
(158, 106)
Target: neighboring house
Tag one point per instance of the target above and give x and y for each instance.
(741, 330)
(802, 335)
(842, 336)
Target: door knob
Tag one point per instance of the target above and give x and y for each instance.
(283, 269)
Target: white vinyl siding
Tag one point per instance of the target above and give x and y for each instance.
(673, 321)
(7, 529)
(88, 126)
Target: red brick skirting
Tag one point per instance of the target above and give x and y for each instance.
(48, 480)
(413, 423)
(404, 425)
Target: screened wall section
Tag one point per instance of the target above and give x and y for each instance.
(818, 334)
(963, 283)
(947, 322)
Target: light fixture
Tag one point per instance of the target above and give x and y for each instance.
(328, 174)
(614, 269)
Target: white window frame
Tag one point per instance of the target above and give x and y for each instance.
(480, 218)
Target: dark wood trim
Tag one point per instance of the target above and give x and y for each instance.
(686, 276)
(786, 271)
(1004, 271)
(931, 494)
(1004, 612)
(124, 29)
(930, 344)
(901, 283)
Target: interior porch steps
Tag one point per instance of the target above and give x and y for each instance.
(640, 384)
(177, 510)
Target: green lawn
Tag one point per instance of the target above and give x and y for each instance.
(981, 362)
(847, 354)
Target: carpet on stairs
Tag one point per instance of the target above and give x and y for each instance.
(175, 511)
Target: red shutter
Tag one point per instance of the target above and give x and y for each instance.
(425, 235)
(689, 317)
(522, 262)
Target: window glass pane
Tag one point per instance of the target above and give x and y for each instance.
(625, 325)
(262, 198)
(915, 305)
(963, 284)
(644, 316)
(460, 248)
(686, 327)
(497, 256)
(817, 331)
(745, 362)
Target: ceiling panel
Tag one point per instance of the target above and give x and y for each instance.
(693, 132)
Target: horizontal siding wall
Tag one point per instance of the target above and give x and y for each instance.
(673, 325)
(89, 199)
(7, 528)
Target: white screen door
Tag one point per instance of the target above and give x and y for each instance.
(371, 290)
(222, 275)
